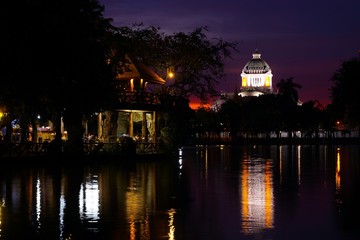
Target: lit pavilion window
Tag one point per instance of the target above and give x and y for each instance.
(267, 82)
(244, 82)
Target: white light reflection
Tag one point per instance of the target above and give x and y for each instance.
(62, 209)
(206, 162)
(299, 164)
(180, 161)
(89, 199)
(257, 199)
(280, 163)
(38, 202)
(202, 151)
(61, 215)
(1, 216)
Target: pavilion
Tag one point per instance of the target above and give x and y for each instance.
(136, 108)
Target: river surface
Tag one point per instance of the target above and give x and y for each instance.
(204, 192)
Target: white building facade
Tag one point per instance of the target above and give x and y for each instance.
(256, 77)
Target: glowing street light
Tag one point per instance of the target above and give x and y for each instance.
(170, 72)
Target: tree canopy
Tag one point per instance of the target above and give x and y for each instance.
(345, 91)
(288, 90)
(197, 62)
(54, 59)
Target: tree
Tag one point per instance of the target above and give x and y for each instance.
(345, 91)
(198, 62)
(233, 116)
(311, 118)
(23, 65)
(288, 91)
(288, 100)
(56, 62)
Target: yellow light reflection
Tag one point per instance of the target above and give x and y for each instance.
(268, 196)
(136, 209)
(337, 171)
(257, 199)
(245, 198)
(171, 233)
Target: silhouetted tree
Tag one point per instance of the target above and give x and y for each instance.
(231, 110)
(311, 118)
(56, 62)
(23, 62)
(198, 62)
(345, 91)
(288, 100)
(180, 121)
(288, 91)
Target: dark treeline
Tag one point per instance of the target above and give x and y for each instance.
(59, 60)
(283, 112)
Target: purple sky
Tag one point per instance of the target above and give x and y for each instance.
(303, 39)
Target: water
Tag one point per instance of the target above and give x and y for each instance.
(207, 192)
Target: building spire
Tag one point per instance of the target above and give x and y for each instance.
(256, 54)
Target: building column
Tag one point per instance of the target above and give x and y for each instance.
(100, 125)
(155, 127)
(144, 127)
(131, 125)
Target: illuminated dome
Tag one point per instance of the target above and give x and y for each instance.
(256, 65)
(256, 77)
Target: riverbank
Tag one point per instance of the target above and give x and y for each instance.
(114, 157)
(81, 159)
(279, 141)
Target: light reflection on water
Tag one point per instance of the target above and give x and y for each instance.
(171, 225)
(89, 199)
(256, 194)
(206, 192)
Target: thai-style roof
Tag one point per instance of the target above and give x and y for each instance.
(137, 70)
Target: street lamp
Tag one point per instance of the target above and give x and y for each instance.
(170, 72)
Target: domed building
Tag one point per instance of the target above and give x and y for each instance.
(256, 80)
(256, 77)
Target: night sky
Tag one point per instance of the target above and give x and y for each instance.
(307, 39)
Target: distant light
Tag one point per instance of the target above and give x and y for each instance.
(170, 72)
(38, 116)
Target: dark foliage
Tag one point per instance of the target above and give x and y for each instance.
(345, 91)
